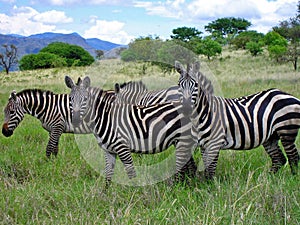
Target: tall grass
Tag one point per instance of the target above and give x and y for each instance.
(68, 190)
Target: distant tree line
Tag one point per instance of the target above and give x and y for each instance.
(187, 43)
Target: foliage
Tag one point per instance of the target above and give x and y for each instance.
(99, 54)
(142, 49)
(170, 51)
(73, 54)
(277, 45)
(227, 27)
(208, 47)
(254, 48)
(290, 29)
(9, 57)
(243, 38)
(158, 52)
(42, 60)
(67, 190)
(185, 34)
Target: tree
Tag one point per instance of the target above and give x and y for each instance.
(9, 57)
(241, 40)
(209, 48)
(42, 60)
(74, 55)
(185, 34)
(254, 48)
(290, 29)
(99, 54)
(227, 27)
(277, 45)
(142, 49)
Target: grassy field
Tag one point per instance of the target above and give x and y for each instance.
(68, 189)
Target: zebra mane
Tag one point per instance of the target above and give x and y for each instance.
(130, 92)
(204, 84)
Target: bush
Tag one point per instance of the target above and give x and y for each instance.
(254, 48)
(42, 60)
(74, 55)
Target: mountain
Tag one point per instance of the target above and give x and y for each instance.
(34, 43)
(101, 45)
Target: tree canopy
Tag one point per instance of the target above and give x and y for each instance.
(73, 54)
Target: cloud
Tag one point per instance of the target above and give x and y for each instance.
(52, 17)
(108, 30)
(26, 21)
(263, 14)
(91, 2)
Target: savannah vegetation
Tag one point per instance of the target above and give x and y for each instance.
(68, 190)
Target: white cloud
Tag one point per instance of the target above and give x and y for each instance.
(26, 21)
(91, 2)
(263, 14)
(52, 17)
(108, 30)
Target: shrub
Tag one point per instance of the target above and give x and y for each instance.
(42, 60)
(254, 48)
(73, 54)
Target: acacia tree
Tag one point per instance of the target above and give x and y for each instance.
(227, 27)
(9, 57)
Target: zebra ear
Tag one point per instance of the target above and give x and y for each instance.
(117, 88)
(196, 66)
(86, 82)
(79, 81)
(13, 95)
(69, 82)
(179, 68)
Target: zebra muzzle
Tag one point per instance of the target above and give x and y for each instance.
(76, 119)
(5, 130)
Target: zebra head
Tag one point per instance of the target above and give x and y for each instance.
(188, 83)
(78, 98)
(13, 115)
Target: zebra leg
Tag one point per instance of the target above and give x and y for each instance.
(275, 153)
(110, 162)
(288, 143)
(210, 158)
(185, 164)
(52, 146)
(126, 158)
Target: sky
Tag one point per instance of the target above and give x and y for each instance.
(121, 21)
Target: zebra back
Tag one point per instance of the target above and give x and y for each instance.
(136, 92)
(130, 93)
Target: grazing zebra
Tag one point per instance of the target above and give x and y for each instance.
(122, 128)
(135, 92)
(51, 109)
(241, 123)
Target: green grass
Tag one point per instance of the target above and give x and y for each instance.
(68, 190)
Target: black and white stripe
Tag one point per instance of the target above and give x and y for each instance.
(51, 109)
(241, 123)
(136, 92)
(124, 128)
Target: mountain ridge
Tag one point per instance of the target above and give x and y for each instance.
(34, 43)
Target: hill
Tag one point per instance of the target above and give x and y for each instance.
(34, 43)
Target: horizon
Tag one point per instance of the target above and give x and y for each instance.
(120, 22)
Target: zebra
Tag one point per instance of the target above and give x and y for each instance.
(122, 128)
(53, 110)
(241, 123)
(136, 92)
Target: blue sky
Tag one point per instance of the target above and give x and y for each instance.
(120, 21)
